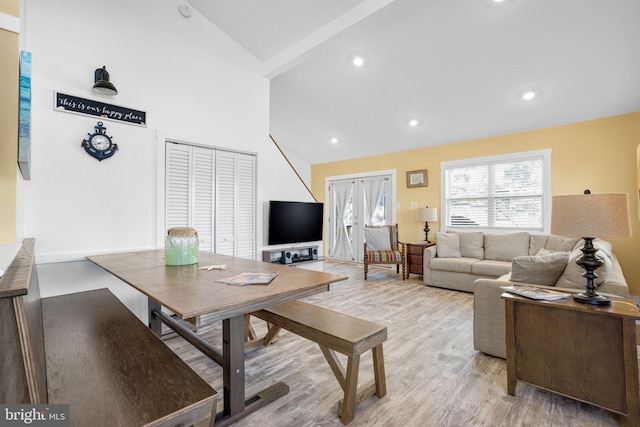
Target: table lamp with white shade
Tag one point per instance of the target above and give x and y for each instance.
(589, 216)
(427, 215)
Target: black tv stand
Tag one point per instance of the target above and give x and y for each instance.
(292, 255)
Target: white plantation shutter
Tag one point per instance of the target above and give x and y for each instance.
(235, 202)
(203, 181)
(246, 226)
(178, 185)
(497, 193)
(225, 203)
(213, 191)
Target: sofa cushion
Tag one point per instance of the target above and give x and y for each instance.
(505, 247)
(448, 245)
(551, 242)
(472, 244)
(491, 268)
(377, 239)
(458, 265)
(572, 275)
(542, 270)
(537, 242)
(544, 251)
(561, 244)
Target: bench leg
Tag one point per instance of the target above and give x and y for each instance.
(272, 334)
(350, 390)
(335, 365)
(378, 371)
(354, 395)
(249, 332)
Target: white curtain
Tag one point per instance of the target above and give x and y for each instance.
(342, 246)
(372, 190)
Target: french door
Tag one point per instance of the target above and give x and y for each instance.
(354, 202)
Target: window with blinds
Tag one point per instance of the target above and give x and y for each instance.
(213, 191)
(505, 193)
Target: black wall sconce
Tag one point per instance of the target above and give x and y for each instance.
(102, 84)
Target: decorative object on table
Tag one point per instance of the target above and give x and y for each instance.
(24, 116)
(88, 107)
(590, 215)
(243, 279)
(102, 84)
(214, 267)
(427, 215)
(417, 178)
(181, 246)
(99, 144)
(536, 293)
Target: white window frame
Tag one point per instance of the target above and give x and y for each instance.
(546, 189)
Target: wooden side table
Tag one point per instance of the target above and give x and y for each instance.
(415, 254)
(577, 350)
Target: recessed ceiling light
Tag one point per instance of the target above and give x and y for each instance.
(334, 140)
(358, 61)
(529, 94)
(413, 123)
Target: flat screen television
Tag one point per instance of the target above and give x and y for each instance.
(294, 222)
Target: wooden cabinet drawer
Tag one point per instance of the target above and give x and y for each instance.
(416, 249)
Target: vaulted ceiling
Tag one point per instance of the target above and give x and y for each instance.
(458, 68)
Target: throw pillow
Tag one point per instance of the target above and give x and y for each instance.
(448, 245)
(377, 239)
(572, 275)
(539, 270)
(505, 247)
(472, 244)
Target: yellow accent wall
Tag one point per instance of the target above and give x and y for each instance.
(598, 154)
(8, 125)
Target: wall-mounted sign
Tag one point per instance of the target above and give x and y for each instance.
(89, 107)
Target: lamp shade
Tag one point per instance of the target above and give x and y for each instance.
(428, 214)
(102, 84)
(591, 215)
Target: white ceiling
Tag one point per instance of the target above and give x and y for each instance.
(457, 66)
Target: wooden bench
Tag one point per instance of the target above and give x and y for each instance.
(335, 332)
(89, 351)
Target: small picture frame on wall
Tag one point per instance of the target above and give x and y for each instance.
(417, 178)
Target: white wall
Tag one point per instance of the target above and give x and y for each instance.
(192, 80)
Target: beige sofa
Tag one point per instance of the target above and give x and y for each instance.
(540, 260)
(460, 258)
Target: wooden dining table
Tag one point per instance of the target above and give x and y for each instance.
(188, 291)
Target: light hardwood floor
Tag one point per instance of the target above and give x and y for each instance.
(434, 376)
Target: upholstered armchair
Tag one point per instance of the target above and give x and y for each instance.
(381, 246)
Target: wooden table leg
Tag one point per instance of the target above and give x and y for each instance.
(155, 324)
(236, 405)
(233, 364)
(510, 341)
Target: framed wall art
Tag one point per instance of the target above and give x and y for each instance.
(417, 178)
(24, 116)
